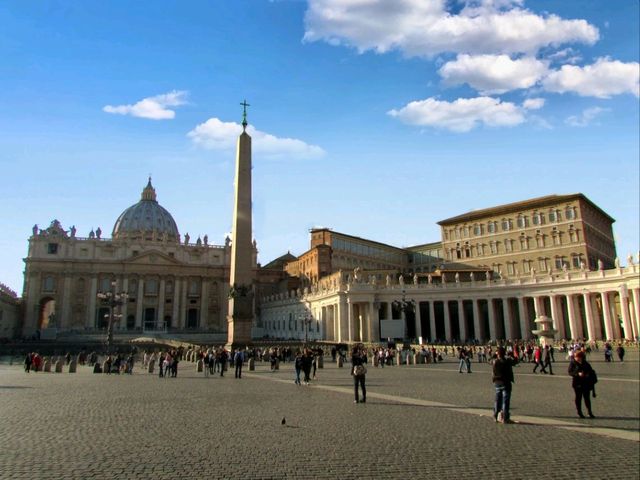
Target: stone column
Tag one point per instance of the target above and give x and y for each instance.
(432, 321)
(539, 306)
(418, 321)
(525, 332)
(139, 304)
(350, 321)
(160, 321)
(626, 320)
(476, 320)
(558, 323)
(204, 304)
(586, 298)
(462, 323)
(184, 303)
(175, 321)
(343, 319)
(91, 313)
(635, 292)
(447, 321)
(574, 324)
(597, 320)
(65, 319)
(389, 312)
(508, 322)
(606, 313)
(374, 321)
(492, 319)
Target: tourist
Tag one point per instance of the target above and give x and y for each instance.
(620, 352)
(161, 364)
(359, 372)
(502, 381)
(238, 360)
(547, 359)
(307, 361)
(537, 358)
(27, 362)
(222, 360)
(583, 382)
(298, 366)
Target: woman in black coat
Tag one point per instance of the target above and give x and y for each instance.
(583, 381)
(359, 371)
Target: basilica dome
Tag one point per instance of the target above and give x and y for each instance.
(146, 219)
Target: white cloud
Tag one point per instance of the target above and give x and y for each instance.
(460, 115)
(215, 134)
(586, 118)
(154, 108)
(533, 103)
(426, 28)
(602, 79)
(491, 74)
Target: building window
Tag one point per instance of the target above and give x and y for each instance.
(508, 245)
(576, 260)
(151, 287)
(491, 227)
(538, 218)
(559, 263)
(542, 264)
(556, 238)
(573, 234)
(466, 231)
(494, 247)
(480, 249)
(194, 287)
(52, 248)
(540, 240)
(523, 222)
(511, 268)
(526, 266)
(524, 243)
(507, 224)
(48, 285)
(105, 284)
(554, 216)
(570, 213)
(467, 250)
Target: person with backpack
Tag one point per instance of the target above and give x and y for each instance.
(583, 380)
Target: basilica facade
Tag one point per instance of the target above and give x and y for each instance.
(172, 283)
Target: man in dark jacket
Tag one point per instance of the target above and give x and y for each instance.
(502, 380)
(583, 381)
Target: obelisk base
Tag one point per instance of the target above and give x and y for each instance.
(240, 322)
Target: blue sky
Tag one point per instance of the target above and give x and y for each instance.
(376, 118)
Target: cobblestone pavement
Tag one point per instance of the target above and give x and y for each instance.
(423, 421)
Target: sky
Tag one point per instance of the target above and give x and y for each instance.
(375, 118)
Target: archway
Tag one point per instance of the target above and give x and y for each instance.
(47, 315)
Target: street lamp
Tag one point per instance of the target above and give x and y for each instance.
(112, 299)
(306, 321)
(404, 305)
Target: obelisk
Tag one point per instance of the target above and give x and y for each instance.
(240, 313)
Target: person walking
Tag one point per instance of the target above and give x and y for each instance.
(547, 359)
(359, 372)
(620, 352)
(27, 362)
(298, 366)
(307, 361)
(537, 358)
(502, 381)
(238, 361)
(583, 382)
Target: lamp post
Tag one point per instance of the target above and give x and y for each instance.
(306, 321)
(112, 299)
(405, 305)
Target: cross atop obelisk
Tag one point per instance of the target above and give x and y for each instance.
(240, 312)
(244, 114)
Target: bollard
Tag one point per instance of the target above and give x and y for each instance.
(320, 361)
(407, 359)
(151, 366)
(252, 364)
(277, 367)
(73, 365)
(59, 365)
(47, 365)
(340, 362)
(199, 366)
(376, 361)
(398, 358)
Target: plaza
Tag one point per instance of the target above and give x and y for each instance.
(420, 421)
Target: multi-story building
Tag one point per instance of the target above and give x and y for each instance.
(552, 233)
(9, 312)
(172, 284)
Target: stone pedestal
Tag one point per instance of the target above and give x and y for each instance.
(199, 366)
(252, 364)
(59, 366)
(73, 365)
(47, 365)
(151, 366)
(320, 361)
(340, 361)
(545, 331)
